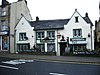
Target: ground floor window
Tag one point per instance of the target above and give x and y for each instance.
(51, 47)
(23, 47)
(40, 47)
(79, 48)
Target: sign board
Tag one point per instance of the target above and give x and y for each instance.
(77, 39)
(3, 33)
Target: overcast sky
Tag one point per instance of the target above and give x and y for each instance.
(62, 9)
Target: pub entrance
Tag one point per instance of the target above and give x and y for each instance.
(62, 47)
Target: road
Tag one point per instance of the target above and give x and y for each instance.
(47, 68)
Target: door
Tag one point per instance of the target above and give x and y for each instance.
(62, 48)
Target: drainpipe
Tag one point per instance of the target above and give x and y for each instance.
(91, 37)
(15, 47)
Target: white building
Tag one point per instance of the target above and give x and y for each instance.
(75, 33)
(24, 33)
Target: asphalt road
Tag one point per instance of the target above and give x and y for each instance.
(47, 68)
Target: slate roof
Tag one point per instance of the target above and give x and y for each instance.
(53, 24)
(49, 24)
(87, 19)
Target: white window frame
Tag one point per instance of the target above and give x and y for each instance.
(77, 33)
(22, 36)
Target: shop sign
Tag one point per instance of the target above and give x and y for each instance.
(77, 39)
(3, 33)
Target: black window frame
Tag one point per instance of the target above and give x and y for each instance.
(76, 19)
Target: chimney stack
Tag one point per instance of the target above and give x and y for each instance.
(37, 18)
(86, 15)
(96, 23)
(4, 3)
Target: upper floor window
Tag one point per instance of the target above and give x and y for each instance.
(76, 19)
(51, 34)
(3, 13)
(40, 35)
(22, 36)
(4, 28)
(77, 32)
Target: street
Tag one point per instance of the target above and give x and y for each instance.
(37, 67)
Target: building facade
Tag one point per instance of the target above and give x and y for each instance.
(4, 25)
(97, 32)
(16, 10)
(97, 35)
(12, 12)
(75, 34)
(24, 35)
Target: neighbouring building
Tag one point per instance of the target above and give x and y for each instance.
(10, 14)
(97, 35)
(75, 33)
(97, 32)
(4, 25)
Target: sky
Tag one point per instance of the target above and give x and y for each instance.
(62, 9)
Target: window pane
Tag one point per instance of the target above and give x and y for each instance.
(41, 47)
(77, 32)
(51, 34)
(51, 47)
(40, 35)
(22, 36)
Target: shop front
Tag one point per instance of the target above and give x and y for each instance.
(78, 44)
(4, 41)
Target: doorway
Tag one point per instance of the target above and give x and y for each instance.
(62, 48)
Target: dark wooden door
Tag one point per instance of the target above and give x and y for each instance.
(62, 48)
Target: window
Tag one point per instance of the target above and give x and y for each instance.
(22, 36)
(76, 19)
(40, 47)
(51, 34)
(77, 32)
(4, 27)
(40, 35)
(23, 47)
(3, 13)
(79, 48)
(51, 47)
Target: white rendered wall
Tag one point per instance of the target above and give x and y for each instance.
(24, 26)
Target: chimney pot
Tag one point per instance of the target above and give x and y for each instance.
(75, 9)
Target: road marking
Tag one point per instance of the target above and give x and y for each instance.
(13, 62)
(9, 67)
(16, 62)
(57, 74)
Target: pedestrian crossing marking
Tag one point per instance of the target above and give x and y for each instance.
(9, 67)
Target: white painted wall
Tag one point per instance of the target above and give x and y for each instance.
(24, 26)
(68, 29)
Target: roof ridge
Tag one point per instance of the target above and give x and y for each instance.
(53, 20)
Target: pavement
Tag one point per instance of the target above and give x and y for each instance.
(63, 59)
